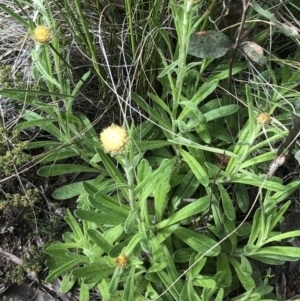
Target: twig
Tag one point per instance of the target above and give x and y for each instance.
(237, 42)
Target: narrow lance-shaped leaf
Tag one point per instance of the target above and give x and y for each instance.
(197, 169)
(189, 210)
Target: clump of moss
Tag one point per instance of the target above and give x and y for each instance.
(29, 198)
(13, 155)
(11, 151)
(9, 79)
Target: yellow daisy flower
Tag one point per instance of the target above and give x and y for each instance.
(122, 260)
(42, 34)
(264, 118)
(114, 139)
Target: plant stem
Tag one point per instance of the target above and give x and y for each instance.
(91, 48)
(183, 20)
(128, 6)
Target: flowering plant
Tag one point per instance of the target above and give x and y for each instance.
(181, 205)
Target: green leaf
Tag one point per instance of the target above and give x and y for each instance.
(203, 133)
(244, 229)
(222, 71)
(62, 169)
(151, 180)
(99, 218)
(171, 275)
(246, 280)
(196, 265)
(160, 102)
(89, 189)
(227, 203)
(111, 167)
(67, 283)
(199, 242)
(68, 191)
(143, 170)
(242, 197)
(230, 228)
(98, 239)
(278, 252)
(167, 281)
(43, 123)
(142, 130)
(56, 155)
(256, 227)
(115, 280)
(109, 205)
(283, 195)
(183, 255)
(129, 284)
(263, 12)
(199, 172)
(209, 44)
(132, 243)
(217, 218)
(48, 145)
(44, 72)
(169, 68)
(16, 16)
(131, 221)
(108, 187)
(194, 113)
(189, 210)
(68, 266)
(205, 90)
(79, 84)
(259, 159)
(182, 126)
(94, 270)
(156, 267)
(78, 235)
(221, 112)
(49, 127)
(112, 235)
(83, 258)
(160, 194)
(189, 143)
(104, 290)
(220, 295)
(257, 181)
(84, 292)
(186, 188)
(142, 146)
(61, 248)
(204, 282)
(246, 267)
(223, 266)
(274, 260)
(74, 189)
(153, 113)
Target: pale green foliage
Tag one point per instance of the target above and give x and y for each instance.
(171, 203)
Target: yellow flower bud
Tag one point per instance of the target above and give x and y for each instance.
(114, 139)
(42, 34)
(122, 260)
(264, 118)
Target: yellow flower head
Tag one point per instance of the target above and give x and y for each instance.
(42, 34)
(114, 139)
(122, 260)
(263, 118)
